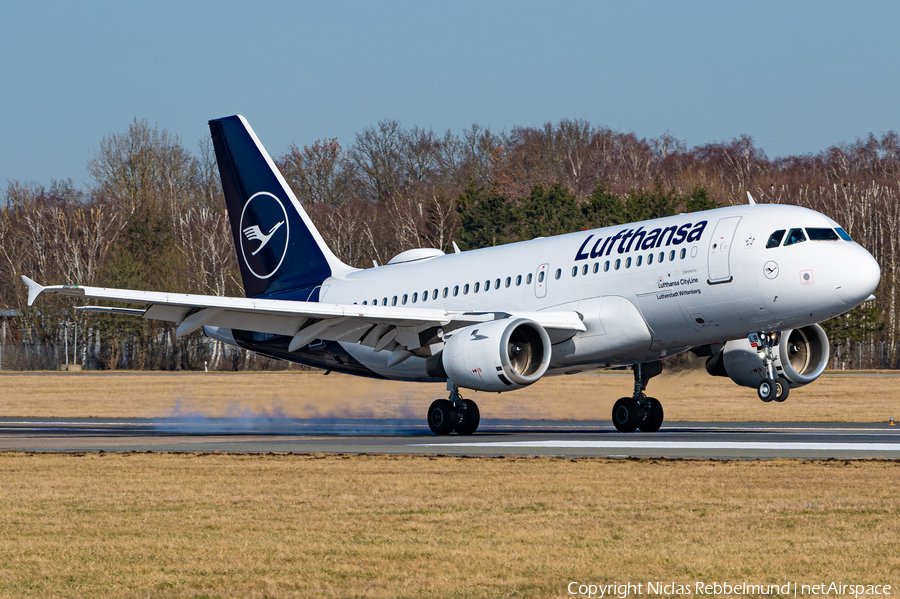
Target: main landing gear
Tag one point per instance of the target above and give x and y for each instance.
(456, 413)
(772, 387)
(639, 411)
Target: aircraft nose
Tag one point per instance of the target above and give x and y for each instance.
(858, 276)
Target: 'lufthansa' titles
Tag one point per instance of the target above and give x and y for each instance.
(639, 239)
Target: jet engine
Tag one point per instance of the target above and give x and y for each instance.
(801, 357)
(501, 355)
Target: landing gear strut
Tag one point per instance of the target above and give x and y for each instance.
(639, 411)
(456, 413)
(772, 387)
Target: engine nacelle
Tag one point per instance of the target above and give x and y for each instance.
(501, 355)
(801, 358)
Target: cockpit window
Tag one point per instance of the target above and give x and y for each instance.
(821, 234)
(795, 236)
(775, 239)
(843, 234)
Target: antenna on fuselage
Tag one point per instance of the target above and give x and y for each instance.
(752, 202)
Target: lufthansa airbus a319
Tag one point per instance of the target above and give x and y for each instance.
(744, 285)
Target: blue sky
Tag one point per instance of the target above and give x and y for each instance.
(796, 76)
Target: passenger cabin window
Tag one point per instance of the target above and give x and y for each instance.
(639, 260)
(683, 253)
(596, 267)
(497, 284)
(384, 302)
(434, 294)
(455, 290)
(628, 262)
(477, 287)
(558, 273)
(415, 297)
(425, 296)
(528, 279)
(508, 281)
(775, 239)
(487, 285)
(445, 292)
(671, 256)
(795, 236)
(541, 277)
(574, 270)
(518, 280)
(394, 301)
(606, 266)
(466, 289)
(405, 297)
(821, 234)
(365, 302)
(618, 263)
(843, 234)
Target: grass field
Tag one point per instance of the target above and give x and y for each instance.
(691, 395)
(144, 525)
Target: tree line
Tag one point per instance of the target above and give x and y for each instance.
(152, 216)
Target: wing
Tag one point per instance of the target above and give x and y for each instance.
(388, 328)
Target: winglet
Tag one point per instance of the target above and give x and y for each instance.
(752, 202)
(455, 248)
(34, 289)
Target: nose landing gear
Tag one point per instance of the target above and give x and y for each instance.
(772, 387)
(639, 411)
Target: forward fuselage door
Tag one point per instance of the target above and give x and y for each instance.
(541, 277)
(720, 250)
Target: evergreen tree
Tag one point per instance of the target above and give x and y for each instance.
(486, 218)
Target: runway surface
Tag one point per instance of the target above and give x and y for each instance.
(494, 438)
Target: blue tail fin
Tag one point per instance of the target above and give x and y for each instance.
(278, 248)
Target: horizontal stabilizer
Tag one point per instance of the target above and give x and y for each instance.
(34, 289)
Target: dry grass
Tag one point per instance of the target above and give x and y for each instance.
(686, 396)
(145, 525)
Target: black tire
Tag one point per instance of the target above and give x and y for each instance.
(625, 415)
(441, 417)
(469, 418)
(783, 389)
(654, 418)
(767, 389)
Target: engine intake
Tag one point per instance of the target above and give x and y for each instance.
(801, 358)
(501, 355)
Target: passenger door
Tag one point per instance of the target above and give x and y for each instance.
(720, 250)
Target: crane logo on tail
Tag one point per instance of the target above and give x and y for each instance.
(255, 234)
(265, 232)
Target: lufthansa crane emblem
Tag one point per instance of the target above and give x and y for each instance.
(264, 234)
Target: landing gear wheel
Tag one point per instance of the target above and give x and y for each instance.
(654, 418)
(625, 415)
(442, 417)
(767, 389)
(468, 418)
(783, 390)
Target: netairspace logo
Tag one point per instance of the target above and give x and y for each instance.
(720, 589)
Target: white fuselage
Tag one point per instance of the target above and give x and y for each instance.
(684, 286)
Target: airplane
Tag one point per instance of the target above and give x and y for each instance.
(744, 286)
